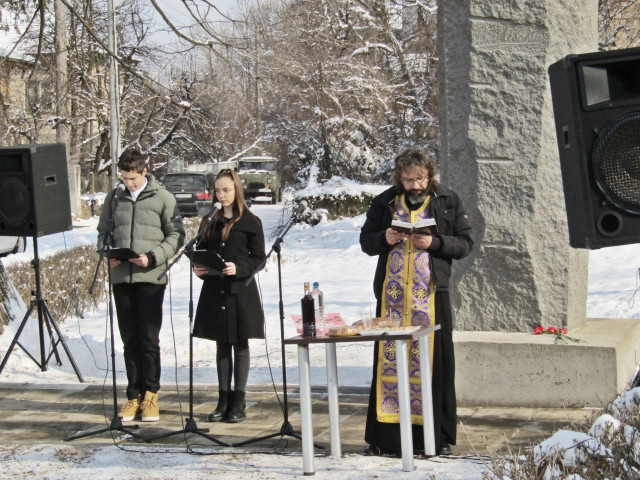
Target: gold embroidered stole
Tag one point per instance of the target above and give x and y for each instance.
(408, 296)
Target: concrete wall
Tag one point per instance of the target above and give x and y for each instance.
(526, 370)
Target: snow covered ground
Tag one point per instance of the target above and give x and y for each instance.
(328, 253)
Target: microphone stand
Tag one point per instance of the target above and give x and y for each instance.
(116, 421)
(286, 429)
(190, 425)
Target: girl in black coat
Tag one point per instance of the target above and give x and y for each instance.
(229, 312)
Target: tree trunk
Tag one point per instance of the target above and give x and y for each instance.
(62, 102)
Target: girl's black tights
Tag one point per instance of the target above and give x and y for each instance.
(236, 363)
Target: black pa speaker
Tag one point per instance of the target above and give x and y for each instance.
(34, 190)
(596, 104)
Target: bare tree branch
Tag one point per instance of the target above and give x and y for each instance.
(191, 40)
(148, 83)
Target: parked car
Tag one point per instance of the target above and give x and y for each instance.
(193, 191)
(260, 178)
(10, 245)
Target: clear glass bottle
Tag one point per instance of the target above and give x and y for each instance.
(318, 299)
(308, 313)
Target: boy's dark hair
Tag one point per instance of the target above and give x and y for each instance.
(132, 160)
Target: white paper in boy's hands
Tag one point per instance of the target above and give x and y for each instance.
(425, 226)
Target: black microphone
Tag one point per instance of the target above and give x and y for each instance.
(210, 219)
(216, 208)
(116, 191)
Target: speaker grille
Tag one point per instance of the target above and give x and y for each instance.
(15, 201)
(616, 162)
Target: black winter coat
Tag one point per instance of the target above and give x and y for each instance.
(228, 311)
(453, 240)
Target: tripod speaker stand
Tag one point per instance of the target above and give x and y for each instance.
(45, 319)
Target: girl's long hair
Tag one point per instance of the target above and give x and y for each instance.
(239, 205)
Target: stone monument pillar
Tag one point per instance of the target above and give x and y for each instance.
(499, 153)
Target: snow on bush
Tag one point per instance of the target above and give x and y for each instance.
(565, 443)
(609, 448)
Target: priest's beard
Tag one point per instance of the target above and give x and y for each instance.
(416, 197)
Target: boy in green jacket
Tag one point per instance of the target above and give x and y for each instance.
(146, 219)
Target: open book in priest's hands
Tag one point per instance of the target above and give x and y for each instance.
(425, 226)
